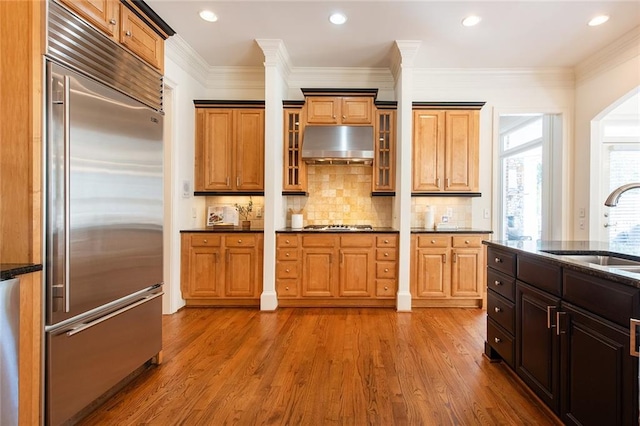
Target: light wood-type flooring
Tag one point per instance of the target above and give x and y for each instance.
(324, 366)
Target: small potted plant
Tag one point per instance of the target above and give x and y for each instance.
(244, 212)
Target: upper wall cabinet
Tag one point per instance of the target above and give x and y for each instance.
(295, 170)
(229, 148)
(384, 171)
(446, 148)
(130, 23)
(339, 110)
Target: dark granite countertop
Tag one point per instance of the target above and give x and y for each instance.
(235, 229)
(382, 230)
(11, 270)
(539, 248)
(450, 231)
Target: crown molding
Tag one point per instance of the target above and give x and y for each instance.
(184, 56)
(341, 77)
(235, 78)
(276, 54)
(623, 49)
(403, 55)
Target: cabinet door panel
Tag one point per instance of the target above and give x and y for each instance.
(466, 273)
(240, 280)
(141, 39)
(356, 273)
(205, 272)
(356, 110)
(537, 349)
(317, 276)
(461, 156)
(103, 14)
(249, 149)
(432, 277)
(428, 146)
(213, 149)
(323, 110)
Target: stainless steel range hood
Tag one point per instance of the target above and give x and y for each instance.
(337, 144)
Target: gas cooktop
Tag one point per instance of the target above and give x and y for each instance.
(338, 227)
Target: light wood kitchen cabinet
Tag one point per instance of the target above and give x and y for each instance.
(295, 169)
(447, 269)
(384, 171)
(221, 269)
(336, 269)
(445, 150)
(229, 152)
(339, 110)
(121, 22)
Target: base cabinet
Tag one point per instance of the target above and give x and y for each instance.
(572, 337)
(336, 269)
(221, 269)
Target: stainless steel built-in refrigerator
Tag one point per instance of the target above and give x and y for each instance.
(103, 240)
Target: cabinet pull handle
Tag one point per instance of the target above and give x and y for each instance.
(496, 282)
(497, 260)
(634, 326)
(559, 330)
(112, 21)
(497, 309)
(446, 183)
(497, 339)
(227, 180)
(438, 182)
(237, 180)
(444, 258)
(127, 33)
(549, 309)
(455, 257)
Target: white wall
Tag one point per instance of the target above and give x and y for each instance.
(600, 82)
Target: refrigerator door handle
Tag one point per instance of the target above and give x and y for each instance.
(67, 189)
(88, 325)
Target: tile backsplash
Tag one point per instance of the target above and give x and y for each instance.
(341, 194)
(458, 209)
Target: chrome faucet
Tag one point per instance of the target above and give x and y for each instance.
(612, 199)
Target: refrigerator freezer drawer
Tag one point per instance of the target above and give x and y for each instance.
(85, 362)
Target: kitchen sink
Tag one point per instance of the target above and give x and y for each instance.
(598, 258)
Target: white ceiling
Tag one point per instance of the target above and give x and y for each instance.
(512, 33)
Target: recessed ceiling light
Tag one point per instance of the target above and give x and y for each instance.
(337, 18)
(470, 21)
(598, 20)
(208, 16)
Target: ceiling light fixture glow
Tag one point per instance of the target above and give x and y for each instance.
(208, 16)
(470, 21)
(598, 20)
(337, 18)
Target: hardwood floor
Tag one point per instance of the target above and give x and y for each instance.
(321, 366)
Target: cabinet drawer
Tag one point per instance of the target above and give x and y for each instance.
(287, 270)
(356, 241)
(426, 241)
(501, 283)
(385, 270)
(287, 288)
(387, 254)
(501, 341)
(318, 241)
(287, 254)
(540, 274)
(467, 241)
(289, 240)
(205, 240)
(242, 240)
(385, 288)
(501, 311)
(387, 241)
(502, 261)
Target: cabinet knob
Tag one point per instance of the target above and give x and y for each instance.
(239, 241)
(286, 288)
(344, 116)
(127, 33)
(496, 282)
(497, 260)
(433, 241)
(112, 21)
(287, 242)
(386, 288)
(497, 339)
(205, 241)
(386, 269)
(386, 241)
(386, 255)
(497, 309)
(287, 254)
(287, 270)
(466, 241)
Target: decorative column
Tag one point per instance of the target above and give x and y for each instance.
(276, 72)
(402, 70)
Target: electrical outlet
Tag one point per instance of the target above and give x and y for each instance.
(259, 212)
(186, 189)
(581, 212)
(581, 224)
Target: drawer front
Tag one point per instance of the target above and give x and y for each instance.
(501, 311)
(205, 240)
(240, 240)
(318, 241)
(385, 270)
(351, 240)
(287, 270)
(540, 274)
(287, 254)
(288, 240)
(426, 241)
(501, 283)
(501, 341)
(387, 254)
(502, 261)
(387, 241)
(467, 241)
(287, 288)
(385, 288)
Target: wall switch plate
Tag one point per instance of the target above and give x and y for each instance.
(186, 189)
(485, 213)
(581, 212)
(194, 212)
(444, 219)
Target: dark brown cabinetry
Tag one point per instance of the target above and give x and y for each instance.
(571, 338)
